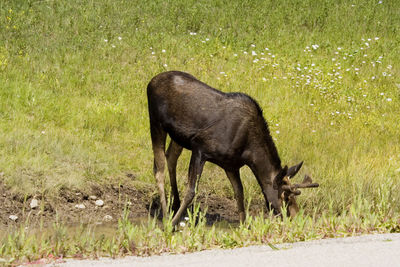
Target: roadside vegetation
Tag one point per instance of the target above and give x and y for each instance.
(73, 111)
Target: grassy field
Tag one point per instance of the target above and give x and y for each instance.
(73, 106)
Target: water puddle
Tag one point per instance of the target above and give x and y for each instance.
(107, 230)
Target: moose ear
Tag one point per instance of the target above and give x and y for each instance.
(281, 175)
(294, 170)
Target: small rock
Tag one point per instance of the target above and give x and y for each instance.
(80, 206)
(34, 203)
(107, 218)
(92, 197)
(13, 217)
(99, 202)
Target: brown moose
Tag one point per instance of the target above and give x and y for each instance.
(227, 129)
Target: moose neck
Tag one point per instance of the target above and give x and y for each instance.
(267, 163)
(265, 169)
(263, 158)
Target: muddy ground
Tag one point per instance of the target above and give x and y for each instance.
(140, 202)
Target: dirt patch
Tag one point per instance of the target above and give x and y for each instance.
(74, 206)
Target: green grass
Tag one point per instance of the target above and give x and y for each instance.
(73, 74)
(150, 238)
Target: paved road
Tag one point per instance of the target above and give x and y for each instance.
(369, 250)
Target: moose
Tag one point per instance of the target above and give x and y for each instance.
(227, 129)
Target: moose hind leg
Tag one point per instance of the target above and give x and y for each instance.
(234, 178)
(195, 170)
(173, 152)
(158, 138)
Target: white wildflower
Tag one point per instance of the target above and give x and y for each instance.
(314, 46)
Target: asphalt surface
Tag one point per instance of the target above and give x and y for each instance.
(368, 250)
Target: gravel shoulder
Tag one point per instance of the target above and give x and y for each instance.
(368, 250)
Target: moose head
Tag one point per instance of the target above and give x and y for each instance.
(287, 192)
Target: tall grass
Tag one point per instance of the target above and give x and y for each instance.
(73, 75)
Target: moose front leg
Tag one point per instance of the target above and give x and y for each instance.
(195, 170)
(234, 178)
